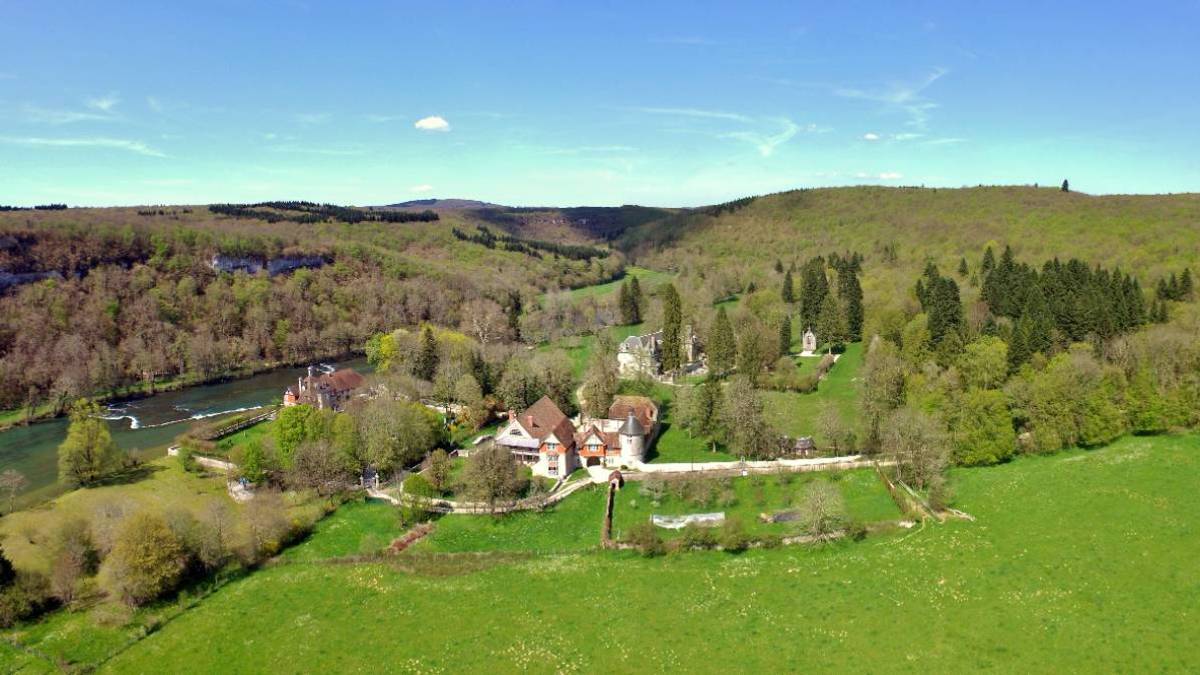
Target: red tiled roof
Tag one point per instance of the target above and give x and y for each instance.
(642, 408)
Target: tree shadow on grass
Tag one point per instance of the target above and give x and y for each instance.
(128, 475)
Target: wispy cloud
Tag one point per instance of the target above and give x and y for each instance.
(432, 123)
(50, 116)
(886, 175)
(906, 97)
(310, 119)
(136, 147)
(871, 136)
(945, 141)
(423, 188)
(104, 103)
(765, 133)
(696, 112)
(379, 119)
(766, 143)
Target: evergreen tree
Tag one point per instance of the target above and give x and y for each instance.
(851, 296)
(1173, 288)
(513, 312)
(785, 335)
(626, 305)
(672, 329)
(788, 293)
(989, 261)
(426, 363)
(1185, 284)
(831, 325)
(778, 266)
(722, 349)
(1066, 187)
(635, 299)
(750, 354)
(963, 270)
(814, 288)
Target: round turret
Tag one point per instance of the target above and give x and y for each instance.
(633, 440)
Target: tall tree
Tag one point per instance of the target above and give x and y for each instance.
(851, 296)
(989, 261)
(602, 380)
(831, 324)
(672, 345)
(427, 357)
(492, 475)
(1066, 187)
(788, 293)
(814, 288)
(88, 454)
(785, 335)
(635, 299)
(722, 348)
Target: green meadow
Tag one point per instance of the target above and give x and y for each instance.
(1081, 561)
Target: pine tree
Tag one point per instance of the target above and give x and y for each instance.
(785, 335)
(672, 329)
(788, 293)
(1185, 284)
(851, 296)
(1066, 187)
(427, 358)
(722, 349)
(831, 325)
(750, 354)
(814, 288)
(1173, 288)
(989, 261)
(514, 314)
(623, 304)
(778, 266)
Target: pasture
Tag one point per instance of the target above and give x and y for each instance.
(1080, 561)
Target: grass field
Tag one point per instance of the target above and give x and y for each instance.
(579, 348)
(1078, 562)
(244, 437)
(796, 414)
(647, 279)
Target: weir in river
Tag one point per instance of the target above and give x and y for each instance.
(146, 426)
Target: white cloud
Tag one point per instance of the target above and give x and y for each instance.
(421, 189)
(136, 147)
(432, 123)
(906, 137)
(870, 136)
(104, 103)
(891, 175)
(945, 141)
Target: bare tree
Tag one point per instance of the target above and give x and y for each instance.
(12, 482)
(824, 509)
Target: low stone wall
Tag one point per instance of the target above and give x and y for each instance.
(763, 466)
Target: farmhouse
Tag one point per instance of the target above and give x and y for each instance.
(554, 445)
(642, 354)
(325, 390)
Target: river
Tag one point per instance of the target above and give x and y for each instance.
(146, 426)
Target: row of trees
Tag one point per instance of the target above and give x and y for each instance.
(533, 247)
(311, 212)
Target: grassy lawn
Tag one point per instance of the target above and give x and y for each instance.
(647, 278)
(796, 414)
(1078, 562)
(162, 483)
(867, 501)
(227, 445)
(571, 525)
(579, 348)
(356, 528)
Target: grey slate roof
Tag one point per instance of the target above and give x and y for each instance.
(632, 427)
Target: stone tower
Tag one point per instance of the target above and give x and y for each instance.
(633, 440)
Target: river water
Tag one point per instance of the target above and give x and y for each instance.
(146, 426)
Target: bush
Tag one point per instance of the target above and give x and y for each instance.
(733, 537)
(770, 540)
(645, 538)
(146, 561)
(695, 536)
(856, 530)
(26, 596)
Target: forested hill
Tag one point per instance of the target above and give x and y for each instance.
(101, 299)
(901, 229)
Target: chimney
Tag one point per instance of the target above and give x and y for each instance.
(529, 422)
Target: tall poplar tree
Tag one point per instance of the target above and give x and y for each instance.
(722, 348)
(672, 329)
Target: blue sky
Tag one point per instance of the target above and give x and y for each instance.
(657, 103)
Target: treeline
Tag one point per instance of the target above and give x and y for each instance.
(39, 207)
(311, 212)
(1047, 360)
(532, 247)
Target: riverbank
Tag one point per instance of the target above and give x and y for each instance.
(17, 417)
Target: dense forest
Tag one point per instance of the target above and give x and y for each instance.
(311, 212)
(137, 303)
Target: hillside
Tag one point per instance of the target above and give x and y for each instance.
(899, 229)
(140, 295)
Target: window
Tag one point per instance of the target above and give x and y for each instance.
(552, 466)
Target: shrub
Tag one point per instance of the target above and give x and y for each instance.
(856, 530)
(645, 538)
(146, 561)
(695, 536)
(26, 596)
(733, 537)
(74, 557)
(824, 508)
(770, 540)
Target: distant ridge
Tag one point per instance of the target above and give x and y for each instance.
(444, 204)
